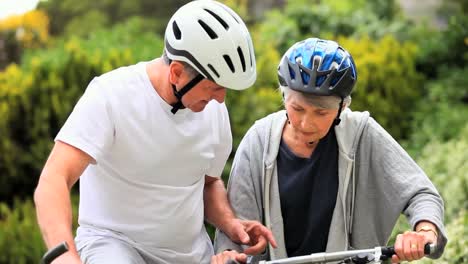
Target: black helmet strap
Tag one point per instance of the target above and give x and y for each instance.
(337, 118)
(178, 94)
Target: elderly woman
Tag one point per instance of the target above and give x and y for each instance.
(324, 178)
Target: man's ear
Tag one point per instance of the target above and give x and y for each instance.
(175, 71)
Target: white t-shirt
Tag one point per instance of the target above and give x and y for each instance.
(147, 185)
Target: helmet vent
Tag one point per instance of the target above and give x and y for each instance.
(291, 72)
(213, 70)
(176, 30)
(241, 56)
(220, 20)
(208, 30)
(229, 62)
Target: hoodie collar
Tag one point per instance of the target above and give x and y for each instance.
(347, 132)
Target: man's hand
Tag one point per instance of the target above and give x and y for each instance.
(251, 233)
(223, 257)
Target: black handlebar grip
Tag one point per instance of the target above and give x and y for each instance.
(429, 249)
(389, 251)
(232, 261)
(53, 253)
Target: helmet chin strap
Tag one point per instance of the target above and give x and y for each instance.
(337, 118)
(178, 94)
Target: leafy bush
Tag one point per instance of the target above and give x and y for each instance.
(446, 49)
(37, 97)
(456, 249)
(20, 237)
(67, 14)
(30, 29)
(328, 19)
(441, 114)
(445, 164)
(388, 84)
(18, 32)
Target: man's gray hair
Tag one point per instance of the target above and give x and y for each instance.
(187, 67)
(325, 102)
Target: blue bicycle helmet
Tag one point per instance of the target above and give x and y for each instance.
(319, 67)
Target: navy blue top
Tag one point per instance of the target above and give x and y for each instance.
(308, 188)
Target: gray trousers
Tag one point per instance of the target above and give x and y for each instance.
(108, 250)
(101, 246)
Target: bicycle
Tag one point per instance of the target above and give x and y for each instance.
(54, 253)
(359, 256)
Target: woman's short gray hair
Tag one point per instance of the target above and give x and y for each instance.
(326, 102)
(187, 67)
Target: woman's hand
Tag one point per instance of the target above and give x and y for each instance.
(223, 257)
(410, 245)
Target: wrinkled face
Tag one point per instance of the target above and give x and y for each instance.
(201, 94)
(309, 122)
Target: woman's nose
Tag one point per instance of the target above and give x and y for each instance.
(307, 124)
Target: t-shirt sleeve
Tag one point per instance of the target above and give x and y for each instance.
(223, 149)
(90, 126)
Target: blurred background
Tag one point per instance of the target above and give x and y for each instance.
(411, 58)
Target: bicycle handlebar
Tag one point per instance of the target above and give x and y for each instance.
(54, 252)
(379, 253)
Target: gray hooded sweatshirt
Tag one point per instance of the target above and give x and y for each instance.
(378, 181)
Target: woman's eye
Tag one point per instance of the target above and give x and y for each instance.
(297, 109)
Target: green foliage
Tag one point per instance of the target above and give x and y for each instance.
(19, 32)
(70, 14)
(453, 7)
(388, 84)
(20, 237)
(442, 112)
(445, 163)
(328, 19)
(456, 249)
(37, 98)
(446, 49)
(248, 106)
(82, 26)
(239, 6)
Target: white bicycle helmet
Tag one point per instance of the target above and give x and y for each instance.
(214, 40)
